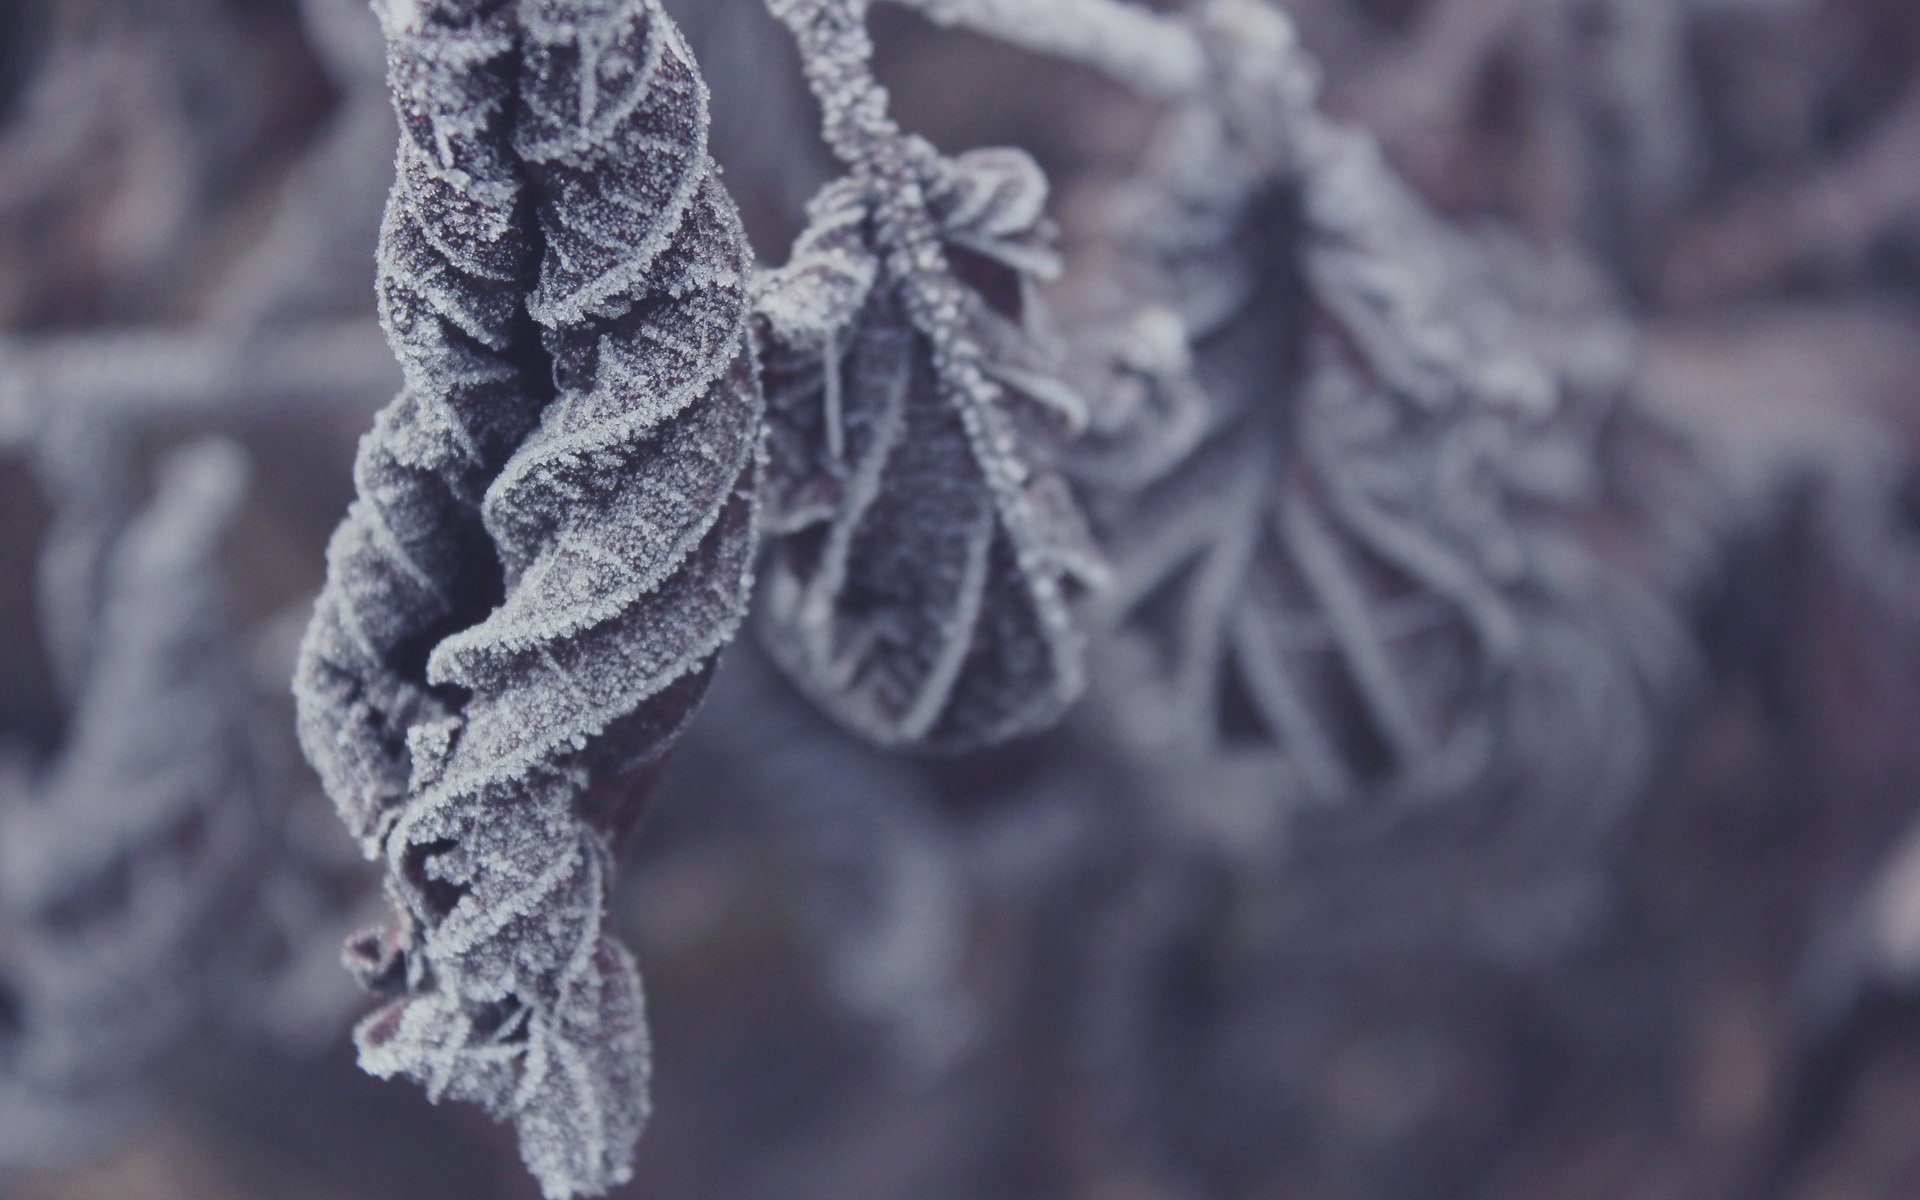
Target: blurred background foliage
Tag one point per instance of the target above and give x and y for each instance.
(1016, 974)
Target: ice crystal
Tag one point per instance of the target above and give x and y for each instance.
(925, 553)
(564, 281)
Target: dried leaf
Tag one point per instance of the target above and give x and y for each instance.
(926, 553)
(592, 470)
(1327, 553)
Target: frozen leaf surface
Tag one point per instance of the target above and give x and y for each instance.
(926, 551)
(552, 544)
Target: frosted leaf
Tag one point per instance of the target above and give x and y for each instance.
(552, 544)
(397, 563)
(122, 867)
(926, 553)
(1327, 555)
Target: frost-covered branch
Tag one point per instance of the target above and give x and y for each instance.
(927, 554)
(195, 375)
(1150, 52)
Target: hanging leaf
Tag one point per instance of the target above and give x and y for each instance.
(1328, 557)
(926, 553)
(552, 545)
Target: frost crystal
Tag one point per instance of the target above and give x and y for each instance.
(925, 551)
(564, 281)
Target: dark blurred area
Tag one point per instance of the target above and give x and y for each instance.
(1053, 969)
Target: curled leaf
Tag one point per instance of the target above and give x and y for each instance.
(552, 544)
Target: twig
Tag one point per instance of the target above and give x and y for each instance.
(197, 375)
(1151, 53)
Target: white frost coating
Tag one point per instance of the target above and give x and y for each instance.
(926, 554)
(553, 543)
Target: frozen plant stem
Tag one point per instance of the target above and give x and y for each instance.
(838, 54)
(1153, 54)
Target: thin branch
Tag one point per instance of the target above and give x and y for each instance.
(202, 375)
(1151, 53)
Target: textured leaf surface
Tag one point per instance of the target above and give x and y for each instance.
(926, 552)
(552, 544)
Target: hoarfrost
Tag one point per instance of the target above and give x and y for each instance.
(926, 553)
(564, 281)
